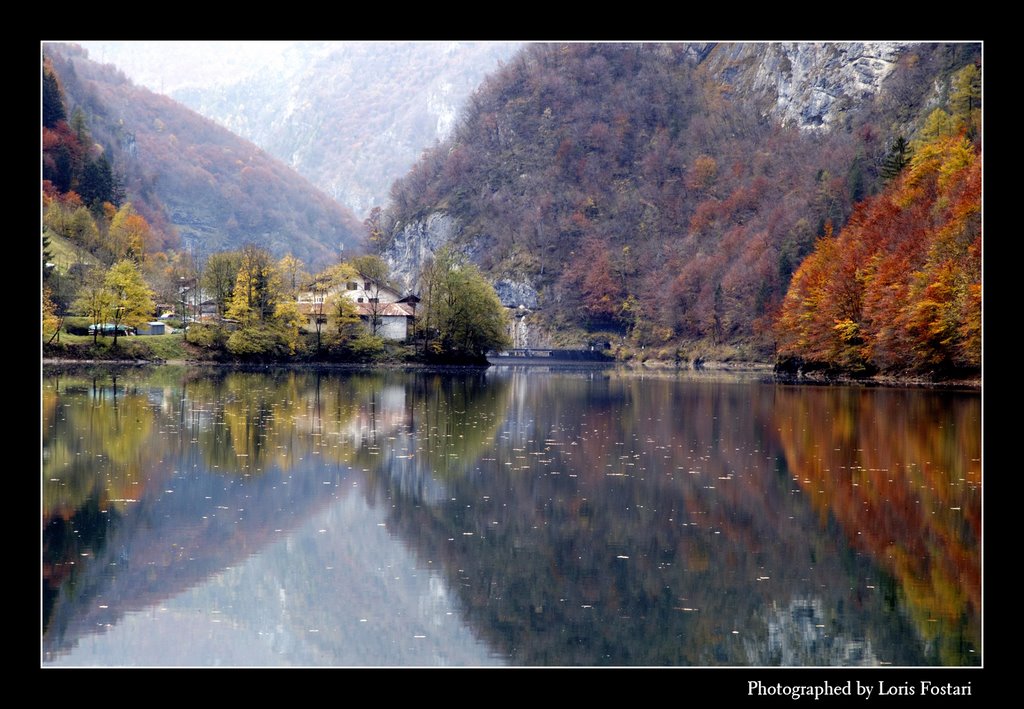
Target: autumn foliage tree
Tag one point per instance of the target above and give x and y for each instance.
(257, 286)
(129, 235)
(330, 307)
(899, 288)
(51, 321)
(462, 316)
(130, 298)
(269, 318)
(93, 301)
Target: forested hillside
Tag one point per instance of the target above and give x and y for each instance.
(659, 193)
(899, 289)
(196, 183)
(93, 239)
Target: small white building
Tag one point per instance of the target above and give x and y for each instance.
(394, 320)
(151, 328)
(393, 314)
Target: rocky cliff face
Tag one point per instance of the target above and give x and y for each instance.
(415, 243)
(809, 84)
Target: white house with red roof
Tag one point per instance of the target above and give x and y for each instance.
(380, 307)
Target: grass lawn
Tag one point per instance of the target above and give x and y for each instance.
(146, 347)
(64, 253)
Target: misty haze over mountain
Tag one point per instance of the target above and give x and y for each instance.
(351, 117)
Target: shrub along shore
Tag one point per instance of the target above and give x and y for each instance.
(168, 349)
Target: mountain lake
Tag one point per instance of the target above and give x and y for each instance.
(523, 516)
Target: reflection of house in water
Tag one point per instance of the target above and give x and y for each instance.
(380, 414)
(800, 635)
(388, 416)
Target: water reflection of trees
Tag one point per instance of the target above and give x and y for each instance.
(153, 481)
(94, 429)
(584, 519)
(451, 423)
(629, 523)
(900, 472)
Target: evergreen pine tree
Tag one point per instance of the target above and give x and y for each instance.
(78, 125)
(47, 256)
(97, 185)
(53, 100)
(897, 159)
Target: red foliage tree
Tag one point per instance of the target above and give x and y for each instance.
(900, 287)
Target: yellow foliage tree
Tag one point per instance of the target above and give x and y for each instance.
(257, 287)
(129, 235)
(51, 322)
(293, 274)
(131, 299)
(93, 300)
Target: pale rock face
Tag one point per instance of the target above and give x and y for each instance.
(515, 293)
(441, 105)
(808, 84)
(415, 243)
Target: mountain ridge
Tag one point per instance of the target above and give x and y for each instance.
(214, 189)
(663, 194)
(350, 116)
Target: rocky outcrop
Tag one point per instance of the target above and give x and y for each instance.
(808, 84)
(514, 294)
(413, 245)
(416, 242)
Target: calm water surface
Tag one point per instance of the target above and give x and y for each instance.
(515, 517)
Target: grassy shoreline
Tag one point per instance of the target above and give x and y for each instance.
(174, 349)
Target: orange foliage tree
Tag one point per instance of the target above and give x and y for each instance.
(900, 288)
